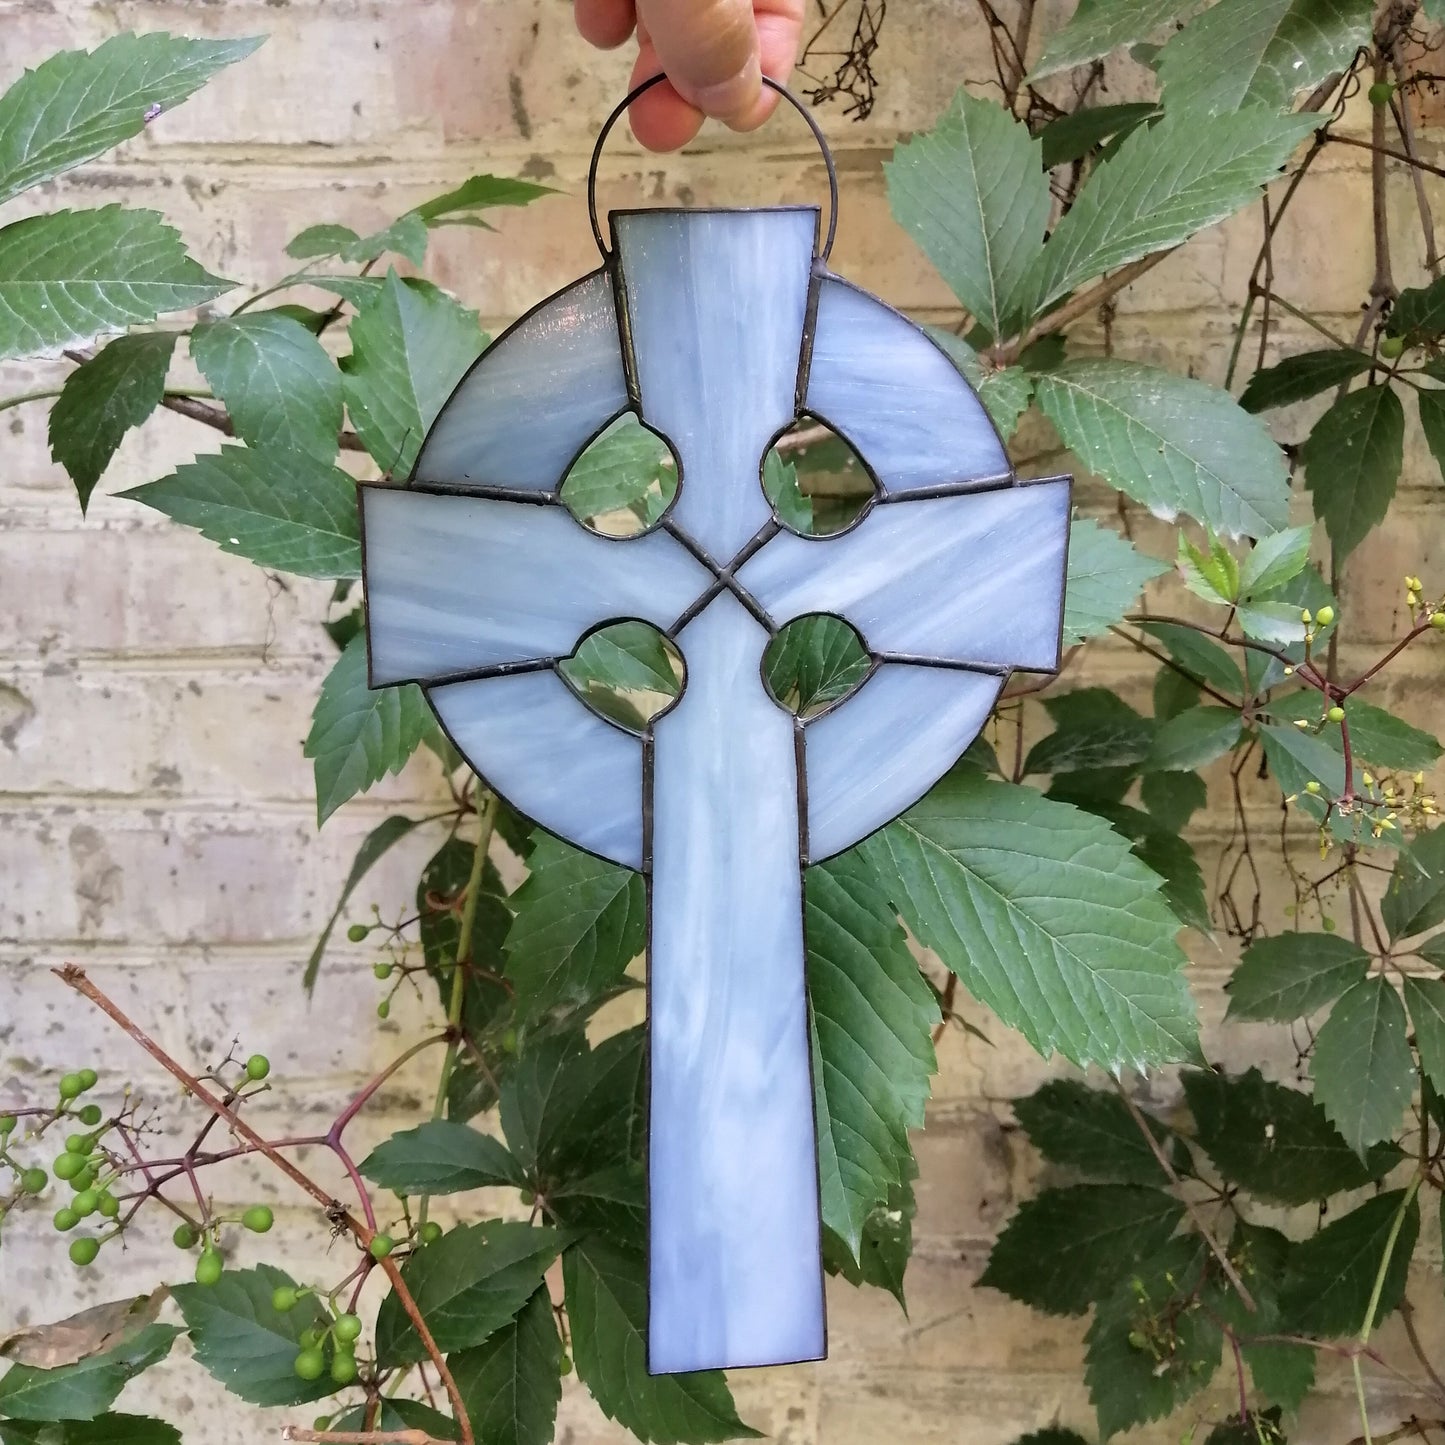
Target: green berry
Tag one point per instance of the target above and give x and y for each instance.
(357, 932)
(343, 1368)
(32, 1181)
(310, 1364)
(185, 1237)
(1437, 621)
(109, 1204)
(86, 1202)
(1391, 347)
(209, 1267)
(257, 1067)
(311, 1339)
(1336, 714)
(88, 1079)
(381, 1246)
(566, 1365)
(90, 1114)
(258, 1219)
(84, 1179)
(78, 1144)
(66, 1218)
(321, 1422)
(509, 1041)
(1312, 786)
(348, 1329)
(69, 1166)
(284, 1299)
(1325, 616)
(431, 1231)
(383, 1009)
(71, 1086)
(84, 1251)
(1380, 92)
(7, 1124)
(527, 1197)
(382, 971)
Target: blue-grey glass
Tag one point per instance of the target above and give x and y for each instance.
(551, 756)
(457, 583)
(883, 748)
(559, 370)
(876, 379)
(971, 578)
(716, 302)
(732, 1171)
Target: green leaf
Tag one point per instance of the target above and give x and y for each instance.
(1004, 391)
(1294, 975)
(972, 192)
(1432, 423)
(1168, 855)
(1173, 798)
(579, 922)
(607, 1309)
(1276, 1142)
(246, 1344)
(872, 1018)
(1283, 1373)
(1106, 25)
(1106, 576)
(626, 473)
(374, 846)
(1071, 137)
(277, 382)
(87, 1388)
(1330, 1277)
(612, 1201)
(1376, 736)
(1297, 378)
(358, 735)
(1418, 314)
(103, 399)
(1274, 50)
(1172, 443)
(276, 508)
(1091, 1131)
(103, 1430)
(1433, 950)
(624, 671)
(887, 1242)
(399, 1414)
(1061, 931)
(1093, 728)
(812, 662)
(1194, 739)
(511, 1385)
(1167, 182)
(479, 193)
(406, 236)
(409, 348)
(1203, 659)
(1415, 899)
(77, 105)
(1426, 999)
(1352, 460)
(467, 1285)
(1363, 1070)
(1254, 1428)
(1273, 561)
(323, 240)
(67, 276)
(1067, 1248)
(441, 1158)
(1212, 575)
(1052, 1435)
(1277, 622)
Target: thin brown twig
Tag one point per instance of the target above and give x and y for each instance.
(360, 1437)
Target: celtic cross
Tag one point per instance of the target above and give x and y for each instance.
(719, 329)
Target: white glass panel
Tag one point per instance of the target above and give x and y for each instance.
(551, 757)
(456, 583)
(735, 1272)
(968, 578)
(535, 397)
(716, 302)
(877, 379)
(883, 748)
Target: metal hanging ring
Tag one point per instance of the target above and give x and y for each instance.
(774, 85)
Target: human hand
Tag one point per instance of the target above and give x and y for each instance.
(714, 53)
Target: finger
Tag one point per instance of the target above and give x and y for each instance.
(661, 120)
(709, 49)
(605, 23)
(780, 32)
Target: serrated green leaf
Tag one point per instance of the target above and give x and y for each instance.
(399, 1414)
(409, 348)
(1415, 900)
(611, 1201)
(814, 661)
(1418, 314)
(406, 236)
(1276, 1142)
(887, 1242)
(1273, 561)
(323, 240)
(1426, 1000)
(440, 1157)
(1259, 52)
(1330, 1276)
(1363, 1070)
(1167, 182)
(1096, 29)
(1202, 658)
(1297, 378)
(1432, 423)
(106, 1429)
(1433, 950)
(1257, 1427)
(467, 1285)
(1294, 975)
(1004, 391)
(1283, 1372)
(1073, 136)
(1092, 1131)
(1105, 577)
(624, 479)
(511, 1385)
(358, 735)
(1093, 728)
(245, 1343)
(1172, 443)
(68, 276)
(103, 399)
(1194, 739)
(1376, 736)
(479, 193)
(274, 507)
(87, 1388)
(1168, 855)
(1067, 1248)
(1173, 798)
(1277, 622)
(625, 671)
(277, 382)
(872, 1020)
(972, 192)
(78, 104)
(607, 1309)
(1213, 574)
(1352, 460)
(1062, 932)
(580, 921)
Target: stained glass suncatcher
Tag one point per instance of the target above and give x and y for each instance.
(719, 329)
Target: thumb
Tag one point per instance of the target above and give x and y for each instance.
(709, 49)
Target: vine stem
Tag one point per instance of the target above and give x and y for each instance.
(75, 977)
(360, 1437)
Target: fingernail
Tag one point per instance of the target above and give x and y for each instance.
(729, 98)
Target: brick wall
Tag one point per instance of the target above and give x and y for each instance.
(156, 815)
